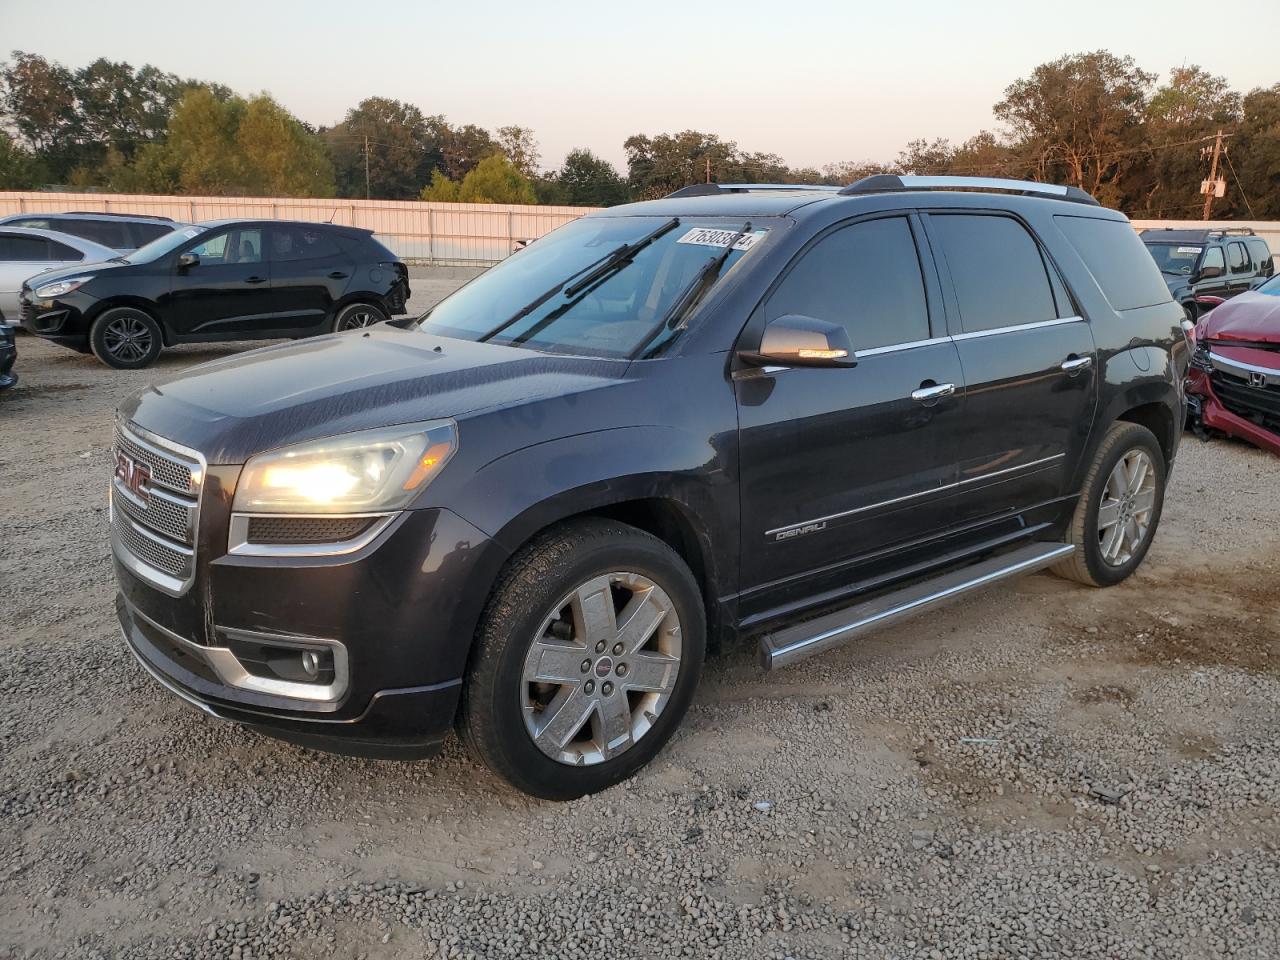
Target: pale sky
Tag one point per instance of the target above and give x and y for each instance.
(815, 82)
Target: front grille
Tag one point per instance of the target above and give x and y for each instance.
(1259, 404)
(303, 530)
(157, 525)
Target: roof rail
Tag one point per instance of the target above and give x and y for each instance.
(889, 183)
(113, 213)
(715, 189)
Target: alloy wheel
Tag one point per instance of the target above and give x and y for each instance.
(360, 318)
(1128, 500)
(601, 669)
(128, 339)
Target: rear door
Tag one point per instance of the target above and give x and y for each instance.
(226, 294)
(1029, 361)
(1240, 269)
(838, 465)
(309, 274)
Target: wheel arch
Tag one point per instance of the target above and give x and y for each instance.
(126, 300)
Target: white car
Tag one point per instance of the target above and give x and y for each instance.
(26, 252)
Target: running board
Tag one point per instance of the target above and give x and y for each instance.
(791, 644)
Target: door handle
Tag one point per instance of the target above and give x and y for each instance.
(255, 279)
(1073, 364)
(929, 392)
(338, 275)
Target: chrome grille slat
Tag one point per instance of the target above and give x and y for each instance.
(154, 530)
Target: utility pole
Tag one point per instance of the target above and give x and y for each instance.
(1213, 175)
(708, 168)
(366, 169)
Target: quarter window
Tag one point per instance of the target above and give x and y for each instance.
(1127, 273)
(60, 251)
(1237, 258)
(865, 277)
(997, 270)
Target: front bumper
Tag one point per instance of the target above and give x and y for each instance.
(1213, 414)
(64, 321)
(8, 356)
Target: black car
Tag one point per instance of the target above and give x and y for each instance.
(1202, 268)
(8, 356)
(789, 414)
(122, 232)
(225, 280)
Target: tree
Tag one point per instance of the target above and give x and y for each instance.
(588, 181)
(494, 180)
(659, 165)
(521, 148)
(278, 155)
(463, 148)
(1080, 119)
(1255, 154)
(39, 100)
(18, 168)
(441, 189)
(403, 148)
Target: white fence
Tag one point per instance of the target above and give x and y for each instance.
(445, 233)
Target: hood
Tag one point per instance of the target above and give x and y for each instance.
(233, 408)
(79, 270)
(1251, 317)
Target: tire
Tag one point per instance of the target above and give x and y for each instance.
(126, 338)
(1105, 556)
(354, 316)
(544, 619)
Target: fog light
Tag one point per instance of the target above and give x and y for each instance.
(311, 664)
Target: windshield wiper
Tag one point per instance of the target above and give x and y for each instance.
(696, 287)
(116, 260)
(599, 268)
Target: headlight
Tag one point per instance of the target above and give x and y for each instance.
(58, 288)
(368, 472)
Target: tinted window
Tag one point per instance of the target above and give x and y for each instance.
(1260, 253)
(996, 268)
(32, 222)
(1237, 259)
(106, 232)
(1213, 258)
(60, 251)
(1125, 270)
(144, 233)
(866, 277)
(16, 248)
(302, 243)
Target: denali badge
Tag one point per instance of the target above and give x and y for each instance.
(134, 476)
(800, 531)
(1257, 378)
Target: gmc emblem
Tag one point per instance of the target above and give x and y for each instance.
(134, 476)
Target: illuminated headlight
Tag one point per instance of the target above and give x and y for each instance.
(368, 472)
(58, 288)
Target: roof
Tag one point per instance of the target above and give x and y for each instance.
(89, 215)
(250, 221)
(1170, 235)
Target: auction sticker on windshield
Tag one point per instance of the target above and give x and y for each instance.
(710, 237)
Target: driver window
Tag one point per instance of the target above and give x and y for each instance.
(1213, 258)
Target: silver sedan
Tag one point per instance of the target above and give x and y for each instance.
(26, 252)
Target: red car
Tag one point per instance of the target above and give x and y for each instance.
(1234, 382)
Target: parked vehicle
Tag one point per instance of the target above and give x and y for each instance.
(1234, 382)
(788, 414)
(122, 232)
(1204, 266)
(26, 253)
(226, 280)
(8, 357)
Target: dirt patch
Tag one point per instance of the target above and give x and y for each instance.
(1105, 693)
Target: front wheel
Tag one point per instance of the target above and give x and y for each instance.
(587, 657)
(126, 338)
(1119, 509)
(356, 315)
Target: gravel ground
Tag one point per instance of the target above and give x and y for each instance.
(1041, 771)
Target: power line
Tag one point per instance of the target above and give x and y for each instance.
(1239, 186)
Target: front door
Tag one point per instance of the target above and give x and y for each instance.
(1217, 286)
(1029, 361)
(840, 464)
(228, 292)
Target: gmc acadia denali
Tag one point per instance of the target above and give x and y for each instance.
(790, 414)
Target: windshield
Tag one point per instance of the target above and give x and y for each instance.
(160, 246)
(1175, 258)
(1272, 286)
(623, 308)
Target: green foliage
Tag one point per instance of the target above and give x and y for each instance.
(441, 189)
(588, 181)
(403, 146)
(18, 168)
(520, 147)
(278, 156)
(496, 180)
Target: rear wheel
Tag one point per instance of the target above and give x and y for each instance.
(356, 315)
(587, 658)
(126, 338)
(1119, 508)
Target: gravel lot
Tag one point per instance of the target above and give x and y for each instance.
(1041, 771)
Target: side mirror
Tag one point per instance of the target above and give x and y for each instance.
(798, 341)
(1208, 273)
(188, 260)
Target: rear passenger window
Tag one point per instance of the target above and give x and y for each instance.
(999, 275)
(22, 249)
(1124, 270)
(1260, 254)
(108, 233)
(301, 243)
(865, 277)
(1237, 259)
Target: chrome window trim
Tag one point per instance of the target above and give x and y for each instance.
(914, 496)
(1226, 363)
(231, 672)
(896, 347)
(238, 536)
(1015, 328)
